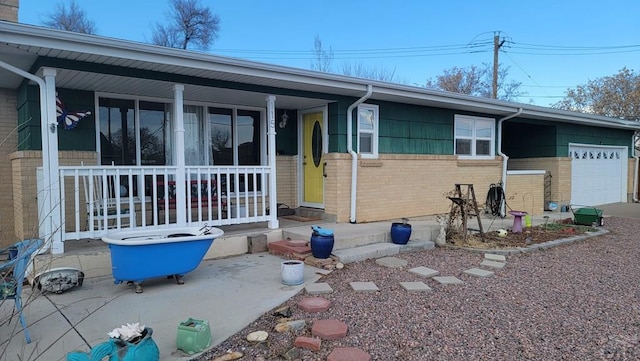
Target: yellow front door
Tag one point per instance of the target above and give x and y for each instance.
(313, 158)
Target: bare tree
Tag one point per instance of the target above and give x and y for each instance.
(71, 18)
(323, 58)
(615, 96)
(476, 81)
(460, 80)
(189, 25)
(370, 72)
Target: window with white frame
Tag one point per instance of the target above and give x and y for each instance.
(368, 130)
(474, 136)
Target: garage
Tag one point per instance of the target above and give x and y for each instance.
(598, 174)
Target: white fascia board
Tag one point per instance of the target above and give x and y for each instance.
(580, 118)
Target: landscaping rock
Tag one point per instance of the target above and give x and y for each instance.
(310, 343)
(290, 325)
(229, 357)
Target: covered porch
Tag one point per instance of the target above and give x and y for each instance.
(174, 138)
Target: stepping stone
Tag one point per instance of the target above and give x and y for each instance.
(448, 280)
(310, 343)
(314, 304)
(424, 271)
(415, 286)
(364, 286)
(493, 264)
(318, 288)
(329, 329)
(392, 262)
(478, 272)
(495, 257)
(348, 354)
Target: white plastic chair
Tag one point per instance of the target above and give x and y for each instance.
(102, 203)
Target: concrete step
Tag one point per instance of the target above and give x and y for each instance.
(362, 253)
(379, 250)
(348, 235)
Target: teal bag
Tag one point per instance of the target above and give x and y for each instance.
(145, 349)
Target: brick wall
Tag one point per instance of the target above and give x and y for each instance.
(525, 192)
(25, 203)
(287, 180)
(397, 186)
(560, 169)
(9, 10)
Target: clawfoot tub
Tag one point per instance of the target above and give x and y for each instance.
(140, 255)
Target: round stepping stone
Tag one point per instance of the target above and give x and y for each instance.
(348, 354)
(329, 329)
(314, 304)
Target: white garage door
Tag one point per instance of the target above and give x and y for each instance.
(598, 174)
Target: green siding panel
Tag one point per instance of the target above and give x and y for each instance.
(412, 129)
(83, 137)
(524, 138)
(287, 137)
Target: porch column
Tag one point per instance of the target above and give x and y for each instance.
(178, 116)
(271, 141)
(53, 223)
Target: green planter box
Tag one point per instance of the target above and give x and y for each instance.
(193, 336)
(587, 216)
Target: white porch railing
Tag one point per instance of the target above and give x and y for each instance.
(96, 199)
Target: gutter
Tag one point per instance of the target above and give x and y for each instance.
(635, 174)
(505, 159)
(354, 155)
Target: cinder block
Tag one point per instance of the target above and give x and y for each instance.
(257, 243)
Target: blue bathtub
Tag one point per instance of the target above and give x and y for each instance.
(140, 255)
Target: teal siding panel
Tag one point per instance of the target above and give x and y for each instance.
(83, 137)
(287, 137)
(412, 129)
(571, 133)
(525, 138)
(28, 126)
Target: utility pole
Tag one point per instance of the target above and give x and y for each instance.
(496, 47)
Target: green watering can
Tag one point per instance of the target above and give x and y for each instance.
(145, 349)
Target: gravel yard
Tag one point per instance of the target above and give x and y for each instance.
(574, 302)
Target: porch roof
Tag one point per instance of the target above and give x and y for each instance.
(23, 45)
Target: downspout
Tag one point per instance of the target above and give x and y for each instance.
(505, 159)
(354, 155)
(635, 174)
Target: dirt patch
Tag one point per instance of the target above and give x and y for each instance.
(528, 236)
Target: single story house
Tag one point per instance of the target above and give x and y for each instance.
(102, 133)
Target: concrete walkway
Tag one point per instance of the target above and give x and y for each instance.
(228, 293)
